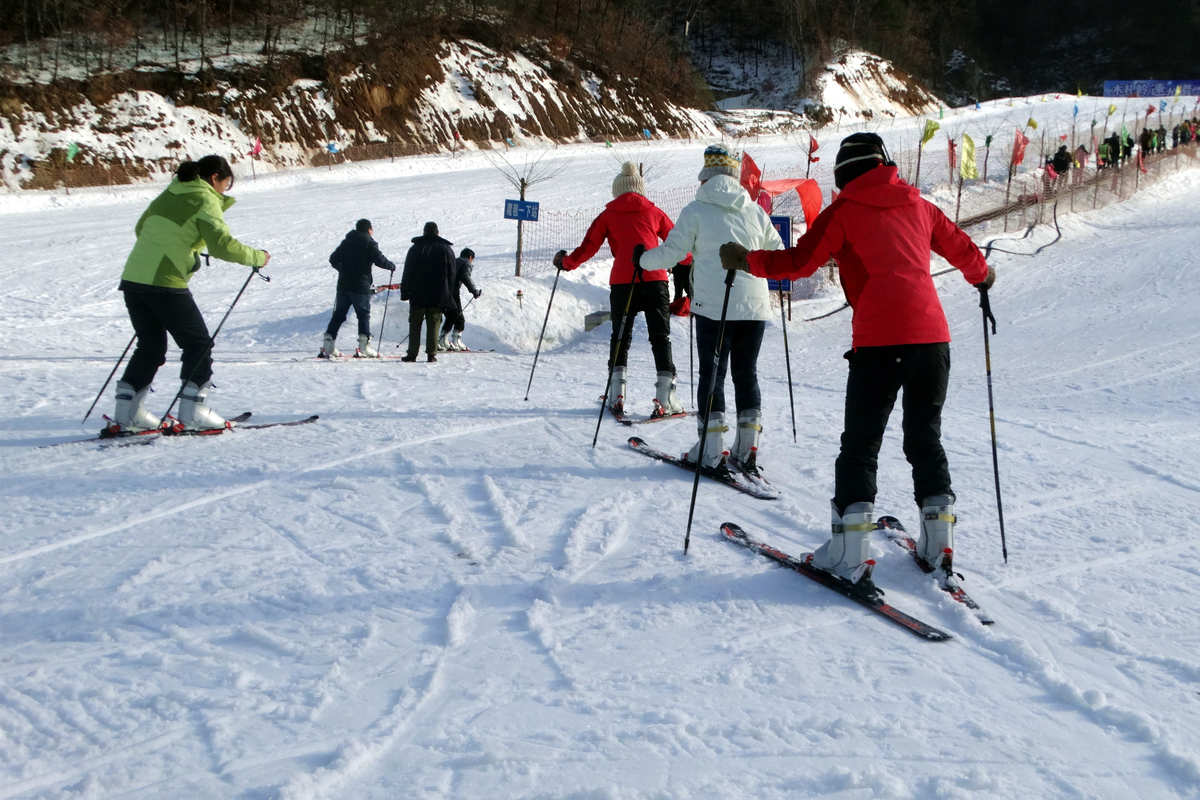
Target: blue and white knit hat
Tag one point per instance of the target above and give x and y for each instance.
(719, 161)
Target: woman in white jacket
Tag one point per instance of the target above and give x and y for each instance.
(721, 212)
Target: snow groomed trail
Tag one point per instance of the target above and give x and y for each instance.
(440, 590)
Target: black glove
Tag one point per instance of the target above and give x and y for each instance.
(477, 292)
(638, 249)
(558, 258)
(987, 282)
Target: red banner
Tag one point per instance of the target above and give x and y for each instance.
(1018, 153)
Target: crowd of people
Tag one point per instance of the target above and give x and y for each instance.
(719, 253)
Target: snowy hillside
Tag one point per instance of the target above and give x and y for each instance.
(440, 590)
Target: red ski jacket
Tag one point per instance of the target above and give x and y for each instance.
(627, 220)
(880, 230)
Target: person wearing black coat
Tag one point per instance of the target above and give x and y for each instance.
(353, 260)
(428, 270)
(455, 321)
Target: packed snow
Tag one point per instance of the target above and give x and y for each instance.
(442, 590)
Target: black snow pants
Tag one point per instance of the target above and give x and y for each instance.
(154, 313)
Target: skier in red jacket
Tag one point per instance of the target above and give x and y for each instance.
(881, 231)
(627, 221)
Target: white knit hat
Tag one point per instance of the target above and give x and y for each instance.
(719, 161)
(628, 180)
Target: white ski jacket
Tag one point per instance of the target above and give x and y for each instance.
(722, 212)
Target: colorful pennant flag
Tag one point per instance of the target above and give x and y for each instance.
(1032, 123)
(931, 128)
(952, 149)
(1112, 109)
(751, 178)
(332, 147)
(72, 151)
(1019, 144)
(966, 167)
(812, 148)
(257, 147)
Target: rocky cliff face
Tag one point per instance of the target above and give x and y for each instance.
(304, 107)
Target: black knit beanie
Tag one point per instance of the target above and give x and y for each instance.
(431, 229)
(859, 153)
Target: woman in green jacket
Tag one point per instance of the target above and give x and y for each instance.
(187, 217)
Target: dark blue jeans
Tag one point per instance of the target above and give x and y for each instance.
(341, 307)
(877, 375)
(739, 354)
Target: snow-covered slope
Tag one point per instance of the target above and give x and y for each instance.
(440, 590)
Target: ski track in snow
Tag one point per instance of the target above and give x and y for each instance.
(442, 590)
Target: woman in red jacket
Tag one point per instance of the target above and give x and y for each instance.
(627, 221)
(881, 231)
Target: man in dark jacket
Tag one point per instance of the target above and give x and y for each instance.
(353, 260)
(455, 321)
(428, 269)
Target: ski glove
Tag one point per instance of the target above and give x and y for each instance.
(477, 292)
(638, 249)
(733, 256)
(558, 259)
(987, 282)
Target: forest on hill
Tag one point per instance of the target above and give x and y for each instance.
(963, 49)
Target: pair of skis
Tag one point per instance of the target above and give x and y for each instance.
(865, 592)
(121, 438)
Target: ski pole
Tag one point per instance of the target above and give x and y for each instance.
(986, 305)
(626, 333)
(712, 390)
(787, 359)
(538, 352)
(108, 379)
(212, 339)
(383, 321)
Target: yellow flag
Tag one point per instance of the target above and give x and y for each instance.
(966, 164)
(1079, 92)
(1112, 109)
(1178, 89)
(1032, 123)
(930, 129)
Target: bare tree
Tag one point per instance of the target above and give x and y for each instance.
(533, 169)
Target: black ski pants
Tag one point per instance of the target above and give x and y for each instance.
(739, 354)
(341, 308)
(877, 374)
(154, 314)
(653, 300)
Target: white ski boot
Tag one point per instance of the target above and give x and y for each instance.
(616, 390)
(713, 439)
(935, 547)
(443, 345)
(666, 402)
(364, 347)
(194, 413)
(456, 342)
(130, 415)
(745, 444)
(847, 554)
(328, 348)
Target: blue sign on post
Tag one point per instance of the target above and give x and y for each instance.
(784, 226)
(526, 210)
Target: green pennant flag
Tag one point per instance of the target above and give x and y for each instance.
(931, 128)
(966, 164)
(1032, 123)
(72, 151)
(941, 113)
(988, 141)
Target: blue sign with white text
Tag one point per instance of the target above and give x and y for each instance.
(784, 226)
(1150, 88)
(526, 210)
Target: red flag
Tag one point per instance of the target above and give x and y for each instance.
(812, 148)
(1141, 161)
(810, 200)
(257, 147)
(765, 201)
(953, 149)
(1149, 110)
(1018, 153)
(751, 179)
(1050, 171)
